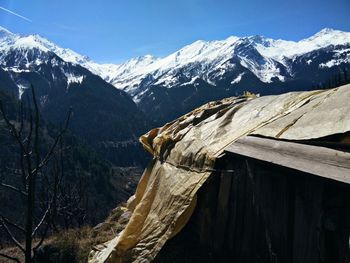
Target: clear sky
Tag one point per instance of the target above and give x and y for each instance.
(115, 30)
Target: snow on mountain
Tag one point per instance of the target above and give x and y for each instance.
(266, 58)
(260, 55)
(71, 78)
(340, 57)
(280, 49)
(109, 72)
(20, 54)
(21, 89)
(237, 79)
(10, 41)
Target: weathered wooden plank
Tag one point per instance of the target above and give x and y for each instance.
(321, 161)
(222, 212)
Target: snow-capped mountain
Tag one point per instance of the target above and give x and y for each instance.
(202, 71)
(26, 45)
(260, 55)
(266, 58)
(206, 70)
(103, 116)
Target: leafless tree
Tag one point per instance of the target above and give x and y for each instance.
(34, 164)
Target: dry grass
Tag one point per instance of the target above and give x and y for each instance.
(74, 246)
(12, 251)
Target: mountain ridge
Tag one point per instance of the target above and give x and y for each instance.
(209, 70)
(131, 72)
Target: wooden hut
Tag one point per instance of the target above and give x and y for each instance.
(271, 201)
(247, 179)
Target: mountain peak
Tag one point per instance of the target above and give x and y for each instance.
(258, 39)
(329, 33)
(232, 38)
(146, 57)
(327, 37)
(327, 30)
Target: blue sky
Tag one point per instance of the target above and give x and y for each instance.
(114, 30)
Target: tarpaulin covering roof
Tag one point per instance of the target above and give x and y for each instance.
(185, 151)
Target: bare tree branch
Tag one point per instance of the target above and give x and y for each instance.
(12, 128)
(13, 188)
(42, 237)
(9, 257)
(36, 138)
(11, 236)
(31, 192)
(32, 170)
(53, 146)
(28, 139)
(42, 219)
(12, 224)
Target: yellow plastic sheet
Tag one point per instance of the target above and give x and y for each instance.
(185, 151)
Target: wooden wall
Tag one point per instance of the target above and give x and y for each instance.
(258, 212)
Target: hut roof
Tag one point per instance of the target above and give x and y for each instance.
(186, 149)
